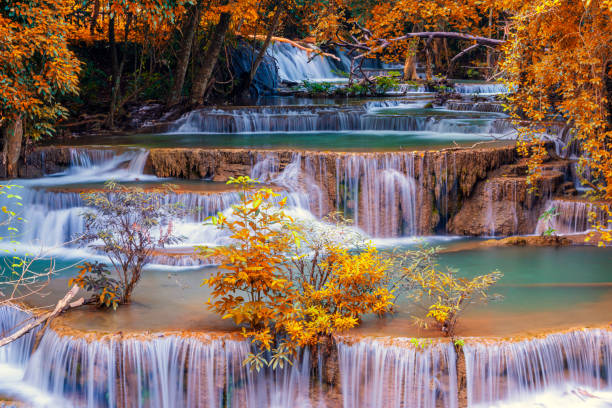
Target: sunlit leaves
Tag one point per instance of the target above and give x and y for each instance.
(287, 286)
(557, 60)
(36, 65)
(444, 293)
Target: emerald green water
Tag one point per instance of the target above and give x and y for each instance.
(543, 288)
(359, 141)
(359, 129)
(540, 278)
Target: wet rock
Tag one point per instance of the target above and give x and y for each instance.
(531, 240)
(44, 160)
(505, 205)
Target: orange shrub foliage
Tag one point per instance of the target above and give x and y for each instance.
(258, 286)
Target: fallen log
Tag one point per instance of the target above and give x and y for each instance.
(63, 305)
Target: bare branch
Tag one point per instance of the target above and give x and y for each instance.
(462, 53)
(61, 306)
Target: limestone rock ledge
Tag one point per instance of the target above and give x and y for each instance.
(480, 191)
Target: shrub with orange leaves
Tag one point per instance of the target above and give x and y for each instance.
(97, 279)
(266, 287)
(36, 66)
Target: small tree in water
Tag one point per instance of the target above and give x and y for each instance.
(445, 294)
(128, 225)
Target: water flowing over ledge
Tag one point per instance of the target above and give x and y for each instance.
(387, 194)
(370, 117)
(199, 370)
(397, 374)
(515, 371)
(572, 216)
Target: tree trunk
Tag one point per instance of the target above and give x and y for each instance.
(489, 54)
(204, 71)
(410, 67)
(12, 137)
(428, 62)
(446, 54)
(117, 70)
(189, 29)
(110, 120)
(437, 55)
(262, 52)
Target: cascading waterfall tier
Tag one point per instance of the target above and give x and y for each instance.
(387, 194)
(516, 371)
(463, 106)
(296, 65)
(572, 217)
(395, 373)
(162, 371)
(54, 218)
(199, 370)
(370, 117)
(483, 88)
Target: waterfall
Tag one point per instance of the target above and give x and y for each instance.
(14, 359)
(474, 106)
(90, 157)
(572, 217)
(54, 217)
(516, 371)
(296, 65)
(379, 192)
(387, 194)
(163, 372)
(99, 165)
(53, 213)
(480, 88)
(395, 373)
(172, 370)
(18, 352)
(370, 117)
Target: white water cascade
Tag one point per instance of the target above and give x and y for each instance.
(481, 88)
(53, 205)
(371, 117)
(379, 193)
(162, 371)
(572, 217)
(53, 218)
(171, 370)
(296, 65)
(517, 372)
(396, 374)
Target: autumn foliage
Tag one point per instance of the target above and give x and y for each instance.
(558, 63)
(279, 306)
(442, 292)
(36, 64)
